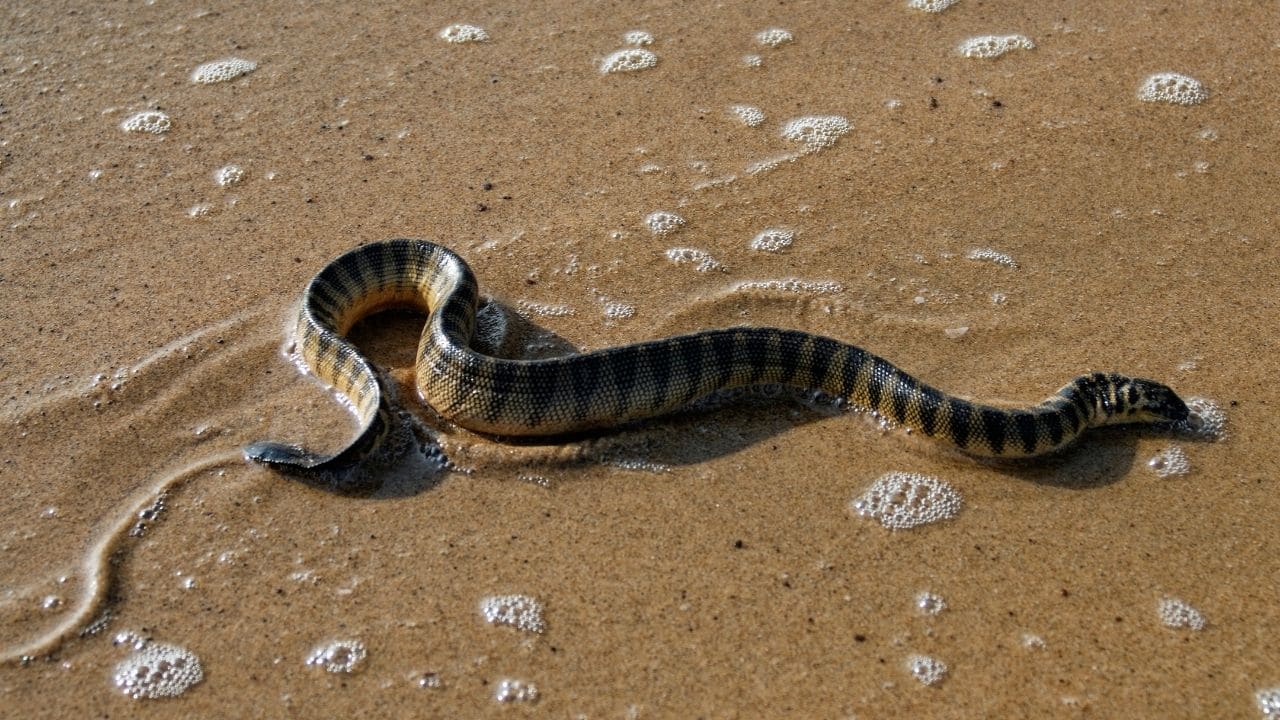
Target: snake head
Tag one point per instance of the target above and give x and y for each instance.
(1150, 401)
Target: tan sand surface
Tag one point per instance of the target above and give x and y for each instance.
(701, 565)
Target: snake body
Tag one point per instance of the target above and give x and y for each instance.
(558, 396)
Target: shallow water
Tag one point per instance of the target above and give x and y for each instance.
(994, 225)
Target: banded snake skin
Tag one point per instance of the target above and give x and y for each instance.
(564, 395)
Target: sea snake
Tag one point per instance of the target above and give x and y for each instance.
(564, 395)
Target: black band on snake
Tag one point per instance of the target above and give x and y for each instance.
(563, 395)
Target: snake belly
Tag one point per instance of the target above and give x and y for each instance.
(564, 395)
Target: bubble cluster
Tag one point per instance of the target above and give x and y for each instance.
(618, 310)
(749, 115)
(541, 481)
(464, 33)
(771, 163)
(1268, 702)
(774, 37)
(338, 656)
(1171, 87)
(639, 465)
(529, 307)
(817, 132)
(1176, 613)
(1170, 462)
(511, 690)
(147, 121)
(903, 500)
(628, 60)
(990, 46)
(158, 670)
(990, 255)
(930, 603)
(701, 261)
(792, 285)
(519, 611)
(662, 222)
(228, 175)
(428, 680)
(1031, 641)
(148, 515)
(772, 240)
(222, 70)
(1207, 421)
(752, 61)
(637, 37)
(927, 670)
(931, 6)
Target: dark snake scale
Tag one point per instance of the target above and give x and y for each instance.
(563, 395)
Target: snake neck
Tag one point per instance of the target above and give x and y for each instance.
(1101, 399)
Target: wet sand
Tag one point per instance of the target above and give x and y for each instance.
(701, 565)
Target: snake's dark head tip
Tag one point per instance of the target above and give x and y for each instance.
(1159, 403)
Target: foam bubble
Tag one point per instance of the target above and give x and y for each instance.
(428, 680)
(1207, 420)
(902, 500)
(701, 261)
(930, 603)
(529, 307)
(519, 611)
(990, 46)
(774, 37)
(637, 38)
(931, 6)
(815, 287)
(1031, 641)
(628, 60)
(1172, 87)
(618, 310)
(771, 163)
(1176, 613)
(147, 121)
(773, 240)
(158, 670)
(228, 175)
(1170, 462)
(338, 656)
(222, 70)
(541, 481)
(1268, 702)
(200, 210)
(990, 255)
(749, 115)
(639, 465)
(463, 33)
(512, 690)
(662, 222)
(752, 61)
(928, 670)
(817, 132)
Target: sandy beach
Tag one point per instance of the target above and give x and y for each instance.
(1090, 188)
